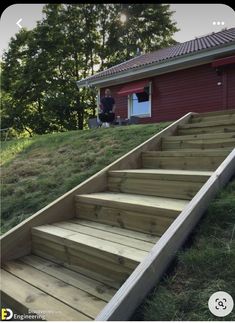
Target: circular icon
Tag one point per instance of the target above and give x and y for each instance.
(220, 304)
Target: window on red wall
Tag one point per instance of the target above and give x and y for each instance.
(140, 103)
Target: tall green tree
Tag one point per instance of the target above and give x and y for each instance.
(41, 66)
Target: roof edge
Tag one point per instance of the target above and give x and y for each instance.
(167, 65)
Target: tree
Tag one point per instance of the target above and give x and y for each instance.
(41, 66)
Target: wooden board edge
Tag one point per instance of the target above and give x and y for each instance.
(150, 270)
(17, 241)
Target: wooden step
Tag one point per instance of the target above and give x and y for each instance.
(202, 160)
(207, 127)
(114, 259)
(76, 291)
(209, 118)
(218, 113)
(175, 142)
(142, 213)
(106, 235)
(24, 297)
(157, 182)
(216, 135)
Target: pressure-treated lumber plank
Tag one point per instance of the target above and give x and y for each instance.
(204, 136)
(199, 143)
(112, 259)
(115, 274)
(204, 130)
(136, 202)
(197, 119)
(79, 300)
(16, 242)
(149, 272)
(24, 297)
(133, 220)
(172, 189)
(105, 235)
(163, 174)
(117, 230)
(203, 160)
(222, 152)
(182, 185)
(87, 284)
(216, 114)
(206, 124)
(81, 241)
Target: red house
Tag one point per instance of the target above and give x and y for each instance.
(197, 75)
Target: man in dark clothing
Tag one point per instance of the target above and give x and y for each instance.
(107, 105)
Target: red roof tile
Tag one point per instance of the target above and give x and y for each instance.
(210, 41)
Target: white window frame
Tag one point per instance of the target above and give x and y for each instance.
(150, 105)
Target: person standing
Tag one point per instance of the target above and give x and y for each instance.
(107, 106)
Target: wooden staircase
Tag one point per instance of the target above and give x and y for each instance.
(76, 266)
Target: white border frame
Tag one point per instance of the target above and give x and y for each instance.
(129, 106)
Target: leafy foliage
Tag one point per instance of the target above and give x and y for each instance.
(41, 66)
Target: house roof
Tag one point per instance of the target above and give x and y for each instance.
(194, 46)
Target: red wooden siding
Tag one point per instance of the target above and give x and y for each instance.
(177, 93)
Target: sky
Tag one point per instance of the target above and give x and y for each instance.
(194, 20)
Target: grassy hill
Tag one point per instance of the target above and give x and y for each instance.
(37, 170)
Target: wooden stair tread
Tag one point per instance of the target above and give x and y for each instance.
(206, 136)
(134, 199)
(189, 152)
(24, 297)
(76, 298)
(106, 235)
(216, 123)
(162, 172)
(214, 113)
(72, 239)
(87, 284)
(122, 232)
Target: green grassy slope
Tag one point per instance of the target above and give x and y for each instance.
(38, 170)
(204, 266)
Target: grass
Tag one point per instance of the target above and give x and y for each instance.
(36, 171)
(204, 266)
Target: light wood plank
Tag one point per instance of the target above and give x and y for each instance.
(24, 297)
(152, 187)
(76, 239)
(204, 130)
(214, 123)
(199, 144)
(220, 113)
(133, 201)
(77, 299)
(221, 152)
(105, 235)
(89, 285)
(163, 174)
(205, 160)
(155, 223)
(114, 273)
(216, 135)
(117, 230)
